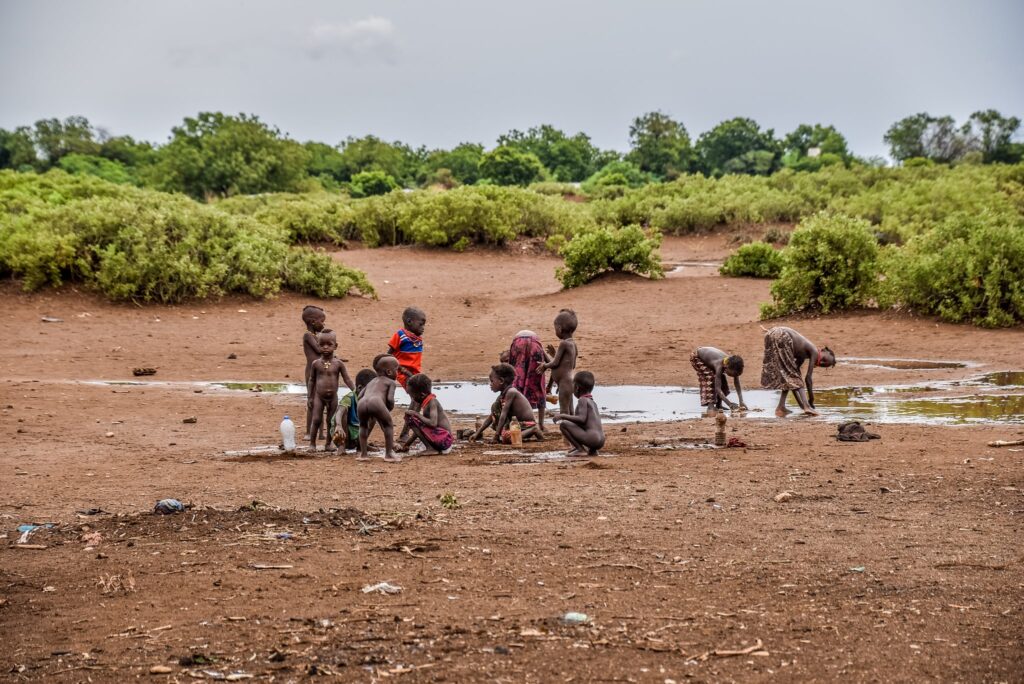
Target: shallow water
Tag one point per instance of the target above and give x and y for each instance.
(992, 398)
(902, 364)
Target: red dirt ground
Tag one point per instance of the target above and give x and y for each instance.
(894, 560)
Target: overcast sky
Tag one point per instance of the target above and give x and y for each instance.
(443, 72)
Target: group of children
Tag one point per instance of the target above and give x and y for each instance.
(518, 379)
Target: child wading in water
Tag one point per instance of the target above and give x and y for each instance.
(785, 350)
(430, 423)
(375, 406)
(583, 429)
(346, 419)
(314, 317)
(322, 388)
(510, 404)
(712, 366)
(563, 361)
(406, 346)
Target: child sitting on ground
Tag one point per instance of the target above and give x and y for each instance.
(712, 366)
(314, 317)
(322, 388)
(429, 424)
(513, 405)
(346, 419)
(563, 360)
(583, 429)
(375, 406)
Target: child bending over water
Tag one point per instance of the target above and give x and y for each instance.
(712, 366)
(512, 405)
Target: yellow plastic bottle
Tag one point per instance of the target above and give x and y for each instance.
(516, 433)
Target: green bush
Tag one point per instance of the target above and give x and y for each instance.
(755, 259)
(107, 169)
(149, 246)
(831, 263)
(370, 183)
(970, 268)
(316, 273)
(598, 250)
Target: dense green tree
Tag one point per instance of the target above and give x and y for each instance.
(215, 154)
(55, 138)
(569, 159)
(937, 138)
(462, 164)
(808, 148)
(508, 166)
(17, 151)
(370, 153)
(107, 169)
(659, 145)
(325, 162)
(618, 173)
(992, 134)
(127, 151)
(369, 183)
(738, 146)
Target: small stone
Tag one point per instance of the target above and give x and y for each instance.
(232, 355)
(160, 669)
(109, 434)
(190, 419)
(783, 497)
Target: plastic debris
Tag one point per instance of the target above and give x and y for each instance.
(51, 319)
(168, 506)
(382, 588)
(143, 371)
(190, 420)
(575, 618)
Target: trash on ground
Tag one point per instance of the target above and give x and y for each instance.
(169, 507)
(51, 319)
(783, 497)
(855, 432)
(143, 371)
(160, 669)
(1005, 442)
(190, 419)
(382, 588)
(859, 568)
(735, 442)
(575, 618)
(92, 511)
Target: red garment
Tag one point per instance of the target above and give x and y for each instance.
(526, 355)
(407, 347)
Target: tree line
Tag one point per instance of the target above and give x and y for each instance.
(218, 155)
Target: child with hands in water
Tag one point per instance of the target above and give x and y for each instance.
(375, 406)
(582, 429)
(714, 367)
(322, 388)
(427, 423)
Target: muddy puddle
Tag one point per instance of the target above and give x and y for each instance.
(904, 364)
(990, 398)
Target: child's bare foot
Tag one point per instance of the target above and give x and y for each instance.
(576, 452)
(429, 452)
(329, 447)
(392, 458)
(360, 457)
(811, 412)
(782, 412)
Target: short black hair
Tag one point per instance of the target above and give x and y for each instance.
(310, 312)
(733, 363)
(585, 379)
(325, 333)
(364, 377)
(831, 353)
(419, 383)
(412, 312)
(376, 360)
(505, 372)
(568, 319)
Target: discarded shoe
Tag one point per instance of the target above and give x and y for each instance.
(855, 432)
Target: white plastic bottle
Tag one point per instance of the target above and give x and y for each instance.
(288, 434)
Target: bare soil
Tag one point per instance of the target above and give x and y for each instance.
(893, 560)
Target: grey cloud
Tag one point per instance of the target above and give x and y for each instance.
(369, 40)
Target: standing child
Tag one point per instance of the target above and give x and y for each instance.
(563, 361)
(322, 388)
(406, 346)
(583, 429)
(527, 358)
(712, 366)
(430, 423)
(314, 317)
(375, 406)
(513, 405)
(347, 417)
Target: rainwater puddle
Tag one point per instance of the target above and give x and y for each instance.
(904, 364)
(990, 398)
(691, 268)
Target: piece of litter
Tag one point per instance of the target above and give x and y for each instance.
(859, 568)
(160, 669)
(382, 588)
(258, 566)
(51, 319)
(783, 497)
(575, 618)
(190, 420)
(169, 506)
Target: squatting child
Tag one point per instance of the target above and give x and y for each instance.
(322, 388)
(429, 423)
(314, 317)
(582, 429)
(375, 406)
(513, 404)
(346, 419)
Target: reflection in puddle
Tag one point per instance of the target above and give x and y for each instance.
(991, 400)
(902, 364)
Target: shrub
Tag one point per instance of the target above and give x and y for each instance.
(370, 183)
(316, 273)
(756, 260)
(597, 250)
(831, 263)
(506, 165)
(107, 169)
(970, 268)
